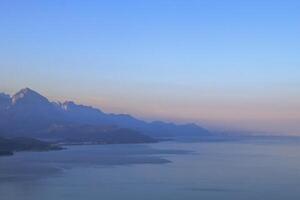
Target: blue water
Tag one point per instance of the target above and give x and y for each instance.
(247, 169)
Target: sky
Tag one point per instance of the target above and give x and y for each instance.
(229, 65)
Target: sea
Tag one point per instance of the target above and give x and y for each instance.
(239, 168)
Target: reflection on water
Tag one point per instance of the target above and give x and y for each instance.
(260, 168)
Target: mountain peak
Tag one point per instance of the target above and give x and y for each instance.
(72, 106)
(26, 91)
(67, 104)
(28, 95)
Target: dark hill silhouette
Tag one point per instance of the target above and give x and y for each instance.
(9, 146)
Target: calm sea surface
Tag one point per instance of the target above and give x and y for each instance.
(244, 169)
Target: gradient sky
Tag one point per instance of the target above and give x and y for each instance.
(226, 64)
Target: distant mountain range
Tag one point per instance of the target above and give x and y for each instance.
(29, 114)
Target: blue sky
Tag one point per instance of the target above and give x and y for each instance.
(225, 64)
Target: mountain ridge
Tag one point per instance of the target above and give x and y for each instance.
(29, 113)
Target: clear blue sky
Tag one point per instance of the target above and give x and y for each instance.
(224, 63)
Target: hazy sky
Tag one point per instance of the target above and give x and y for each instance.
(228, 64)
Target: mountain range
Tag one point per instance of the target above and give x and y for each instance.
(29, 114)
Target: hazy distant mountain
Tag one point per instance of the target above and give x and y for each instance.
(27, 113)
(95, 134)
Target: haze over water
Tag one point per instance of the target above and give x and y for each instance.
(244, 169)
